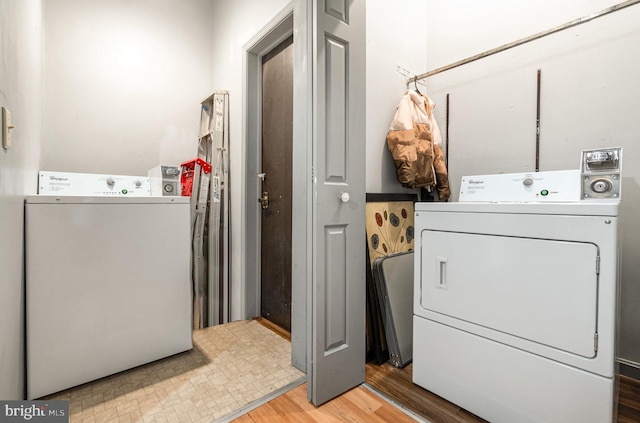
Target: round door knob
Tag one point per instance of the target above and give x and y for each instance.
(344, 196)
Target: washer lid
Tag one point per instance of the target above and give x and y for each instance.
(50, 199)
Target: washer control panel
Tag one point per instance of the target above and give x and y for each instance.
(91, 184)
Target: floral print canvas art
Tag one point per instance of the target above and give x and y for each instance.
(389, 228)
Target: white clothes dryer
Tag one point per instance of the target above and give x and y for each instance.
(515, 297)
(515, 308)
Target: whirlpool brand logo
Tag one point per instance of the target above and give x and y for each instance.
(34, 411)
(57, 178)
(475, 182)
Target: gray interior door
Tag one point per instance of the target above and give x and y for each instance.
(277, 126)
(338, 282)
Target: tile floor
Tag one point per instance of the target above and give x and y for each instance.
(230, 366)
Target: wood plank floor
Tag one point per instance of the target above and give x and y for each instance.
(629, 400)
(358, 405)
(361, 405)
(397, 385)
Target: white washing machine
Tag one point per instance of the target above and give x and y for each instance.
(515, 305)
(108, 286)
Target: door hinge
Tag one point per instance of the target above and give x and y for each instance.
(597, 265)
(595, 342)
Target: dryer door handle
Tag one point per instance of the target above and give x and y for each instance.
(441, 273)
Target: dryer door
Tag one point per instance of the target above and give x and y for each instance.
(544, 291)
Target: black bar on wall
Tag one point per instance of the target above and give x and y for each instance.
(446, 157)
(538, 121)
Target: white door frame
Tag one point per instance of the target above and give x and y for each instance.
(280, 28)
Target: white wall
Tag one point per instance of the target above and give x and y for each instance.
(123, 83)
(457, 29)
(396, 36)
(20, 92)
(236, 22)
(590, 98)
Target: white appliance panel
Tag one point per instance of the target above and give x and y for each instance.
(107, 286)
(572, 222)
(503, 384)
(467, 354)
(517, 286)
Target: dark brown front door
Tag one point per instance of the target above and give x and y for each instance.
(277, 128)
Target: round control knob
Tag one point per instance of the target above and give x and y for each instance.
(111, 182)
(527, 182)
(344, 196)
(138, 183)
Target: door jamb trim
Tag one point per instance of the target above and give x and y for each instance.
(277, 30)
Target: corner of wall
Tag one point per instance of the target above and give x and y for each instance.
(21, 93)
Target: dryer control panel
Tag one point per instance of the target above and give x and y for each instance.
(555, 186)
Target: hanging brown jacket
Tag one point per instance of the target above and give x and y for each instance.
(415, 143)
